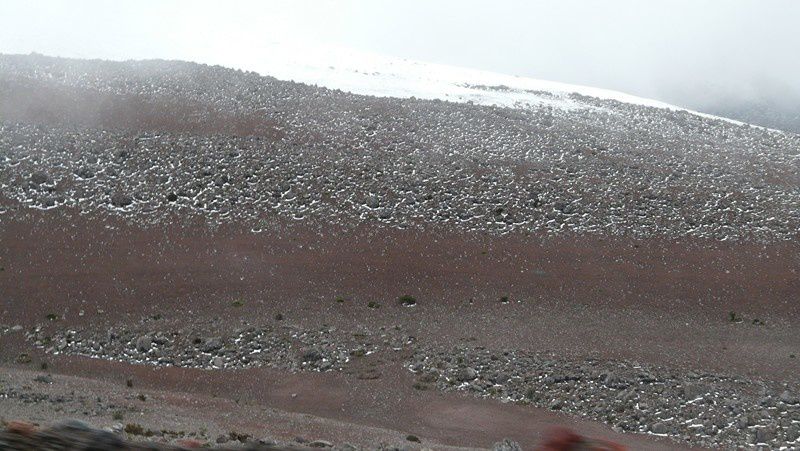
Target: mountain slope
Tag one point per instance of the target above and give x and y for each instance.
(275, 245)
(244, 144)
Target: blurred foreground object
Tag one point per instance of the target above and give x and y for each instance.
(563, 439)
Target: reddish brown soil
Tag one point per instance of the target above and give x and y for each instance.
(654, 302)
(651, 301)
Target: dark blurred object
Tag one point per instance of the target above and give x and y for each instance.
(563, 439)
(78, 436)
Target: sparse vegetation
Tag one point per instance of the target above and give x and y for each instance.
(117, 415)
(407, 301)
(358, 352)
(420, 386)
(734, 317)
(237, 303)
(428, 377)
(23, 358)
(137, 429)
(373, 304)
(238, 437)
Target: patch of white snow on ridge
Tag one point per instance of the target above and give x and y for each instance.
(372, 74)
(377, 75)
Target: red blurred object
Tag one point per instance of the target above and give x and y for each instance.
(20, 428)
(563, 439)
(190, 443)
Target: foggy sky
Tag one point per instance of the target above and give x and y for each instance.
(678, 51)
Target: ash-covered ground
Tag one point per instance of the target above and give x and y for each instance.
(350, 267)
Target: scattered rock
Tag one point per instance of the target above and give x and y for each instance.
(85, 173)
(40, 178)
(311, 355)
(788, 398)
(764, 435)
(694, 391)
(120, 200)
(143, 344)
(44, 379)
(467, 374)
(211, 345)
(659, 428)
(506, 445)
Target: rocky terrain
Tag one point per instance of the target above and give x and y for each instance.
(630, 269)
(698, 407)
(135, 139)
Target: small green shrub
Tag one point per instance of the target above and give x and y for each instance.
(137, 429)
(407, 301)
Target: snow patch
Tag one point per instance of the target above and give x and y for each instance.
(372, 74)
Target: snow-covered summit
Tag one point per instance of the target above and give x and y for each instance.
(378, 75)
